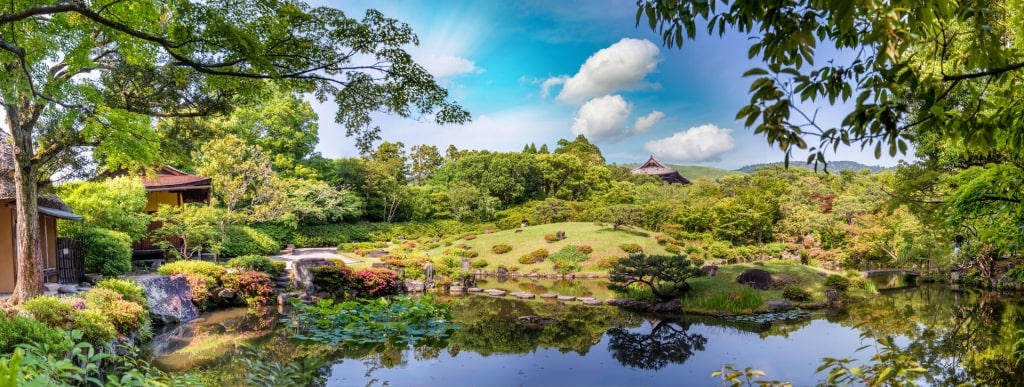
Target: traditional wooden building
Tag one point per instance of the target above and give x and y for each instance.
(169, 186)
(63, 261)
(656, 168)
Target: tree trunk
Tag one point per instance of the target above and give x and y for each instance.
(29, 260)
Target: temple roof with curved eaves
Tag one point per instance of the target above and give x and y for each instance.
(656, 168)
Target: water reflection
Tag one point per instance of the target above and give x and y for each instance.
(958, 337)
(666, 342)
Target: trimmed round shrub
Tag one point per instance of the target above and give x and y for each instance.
(527, 259)
(673, 249)
(254, 286)
(375, 282)
(96, 328)
(501, 249)
(585, 249)
(24, 330)
(245, 240)
(631, 248)
(837, 282)
(107, 252)
(128, 289)
(469, 237)
(513, 268)
(551, 238)
(50, 310)
(795, 293)
(126, 316)
(479, 264)
(333, 279)
(255, 262)
(540, 254)
(607, 262)
(209, 270)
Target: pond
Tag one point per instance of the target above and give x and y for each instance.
(957, 336)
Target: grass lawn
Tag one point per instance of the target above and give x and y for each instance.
(722, 293)
(601, 237)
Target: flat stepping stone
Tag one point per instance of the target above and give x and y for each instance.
(456, 289)
(474, 290)
(524, 295)
(549, 295)
(591, 301)
(495, 292)
(566, 298)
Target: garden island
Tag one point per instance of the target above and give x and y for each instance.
(169, 219)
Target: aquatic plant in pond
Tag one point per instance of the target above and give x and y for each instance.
(397, 320)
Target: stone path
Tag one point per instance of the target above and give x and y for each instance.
(314, 252)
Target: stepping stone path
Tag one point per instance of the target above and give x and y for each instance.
(475, 290)
(566, 298)
(549, 295)
(495, 292)
(456, 289)
(523, 295)
(591, 301)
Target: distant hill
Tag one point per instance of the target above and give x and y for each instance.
(833, 166)
(693, 172)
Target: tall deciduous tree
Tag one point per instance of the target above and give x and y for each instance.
(423, 160)
(242, 180)
(117, 204)
(95, 73)
(386, 184)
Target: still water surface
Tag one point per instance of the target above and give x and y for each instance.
(957, 336)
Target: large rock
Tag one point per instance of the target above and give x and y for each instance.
(779, 306)
(170, 298)
(301, 271)
(755, 278)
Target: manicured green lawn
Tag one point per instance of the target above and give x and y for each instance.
(601, 237)
(722, 293)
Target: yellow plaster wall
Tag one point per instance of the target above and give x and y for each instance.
(155, 199)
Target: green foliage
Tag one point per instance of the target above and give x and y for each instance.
(742, 300)
(130, 290)
(889, 366)
(733, 377)
(527, 259)
(257, 263)
(95, 326)
(333, 279)
(115, 204)
(795, 293)
(837, 282)
(665, 275)
(37, 364)
(540, 254)
(107, 252)
(501, 248)
(398, 320)
(196, 225)
(673, 249)
(209, 271)
(16, 330)
(282, 233)
(568, 256)
(479, 264)
(631, 248)
(244, 240)
(50, 310)
(126, 316)
(353, 246)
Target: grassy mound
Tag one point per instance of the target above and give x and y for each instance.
(722, 293)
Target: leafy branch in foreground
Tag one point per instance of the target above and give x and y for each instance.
(733, 377)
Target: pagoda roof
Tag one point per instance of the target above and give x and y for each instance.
(666, 173)
(168, 178)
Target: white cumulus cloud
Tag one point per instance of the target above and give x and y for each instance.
(647, 122)
(621, 66)
(701, 143)
(545, 87)
(447, 66)
(602, 118)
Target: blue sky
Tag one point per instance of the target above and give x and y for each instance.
(537, 71)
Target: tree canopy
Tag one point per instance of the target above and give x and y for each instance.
(95, 74)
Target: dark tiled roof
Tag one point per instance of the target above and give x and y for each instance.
(168, 178)
(654, 167)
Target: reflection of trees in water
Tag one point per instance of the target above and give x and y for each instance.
(667, 342)
(960, 337)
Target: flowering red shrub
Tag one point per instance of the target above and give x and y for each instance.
(375, 281)
(255, 286)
